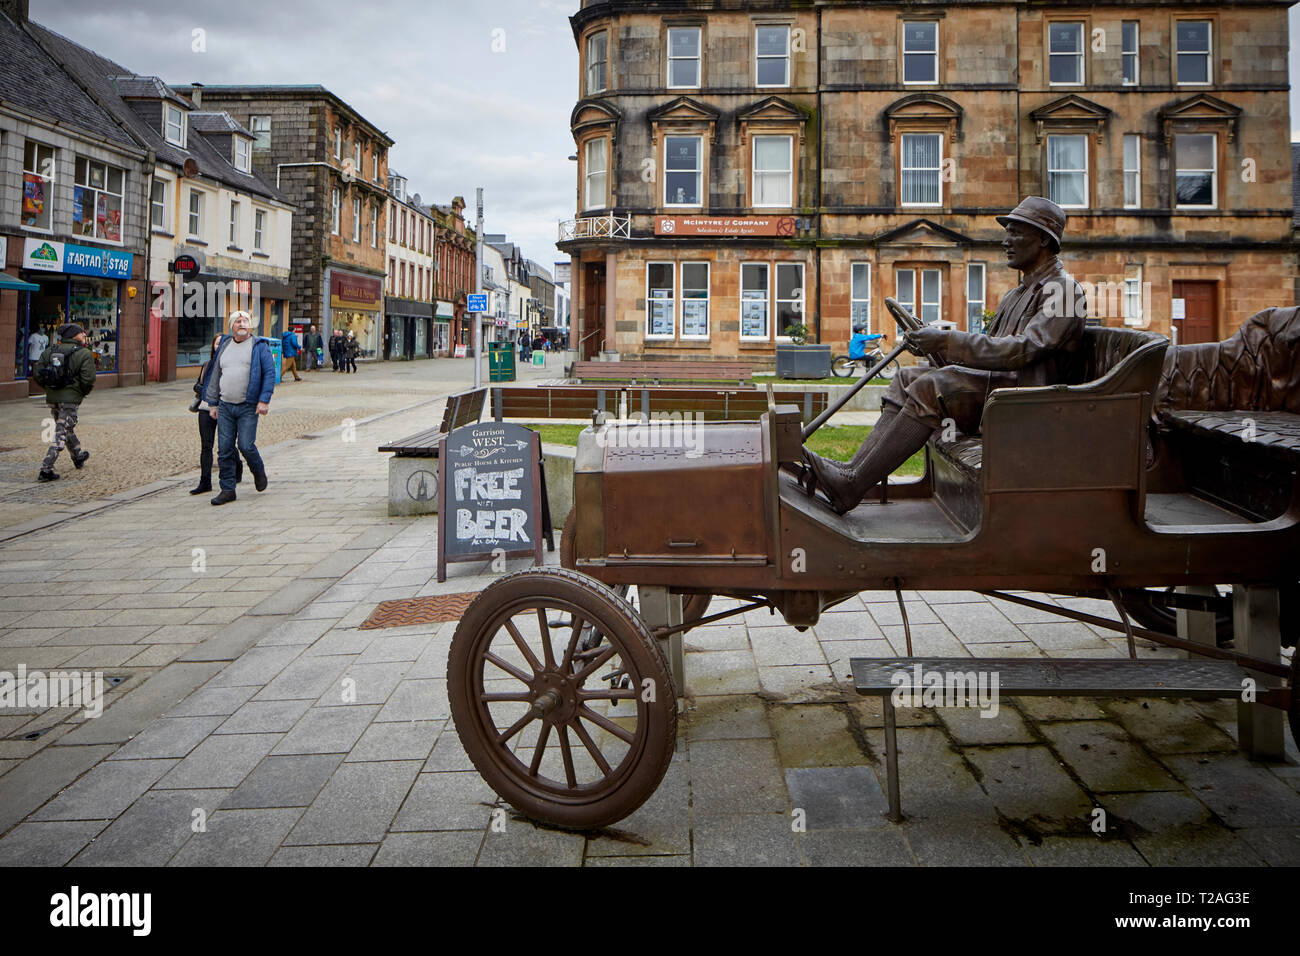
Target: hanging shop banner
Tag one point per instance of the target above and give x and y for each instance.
(490, 490)
(354, 292)
(783, 226)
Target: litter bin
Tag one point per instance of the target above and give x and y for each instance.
(501, 362)
(277, 348)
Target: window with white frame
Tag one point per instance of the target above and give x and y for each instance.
(1133, 296)
(695, 300)
(1065, 54)
(197, 200)
(259, 229)
(1196, 179)
(1067, 171)
(338, 143)
(860, 296)
(1193, 39)
(921, 51)
(975, 297)
(922, 159)
(335, 201)
(356, 156)
(174, 125)
(158, 205)
(596, 174)
(772, 56)
(392, 222)
(754, 293)
(773, 170)
(374, 227)
(233, 238)
(356, 220)
(789, 297)
(597, 65)
(683, 58)
(38, 185)
(97, 200)
(660, 300)
(931, 296)
(374, 165)
(1132, 170)
(1129, 51)
(243, 154)
(905, 288)
(683, 170)
(260, 127)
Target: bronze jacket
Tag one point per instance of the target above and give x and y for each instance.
(1036, 327)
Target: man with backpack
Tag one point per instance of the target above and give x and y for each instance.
(289, 353)
(67, 372)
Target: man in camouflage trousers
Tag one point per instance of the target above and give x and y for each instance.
(65, 402)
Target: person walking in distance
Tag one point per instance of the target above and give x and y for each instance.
(208, 429)
(239, 390)
(336, 349)
(351, 349)
(289, 350)
(313, 346)
(67, 371)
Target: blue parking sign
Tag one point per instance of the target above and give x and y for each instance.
(476, 303)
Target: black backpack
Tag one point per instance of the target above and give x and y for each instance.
(52, 370)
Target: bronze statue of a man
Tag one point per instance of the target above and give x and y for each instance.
(1037, 326)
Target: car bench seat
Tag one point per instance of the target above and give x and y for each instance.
(1107, 362)
(1230, 410)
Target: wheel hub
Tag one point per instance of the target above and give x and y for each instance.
(555, 697)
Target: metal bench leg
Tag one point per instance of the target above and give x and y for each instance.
(1197, 626)
(659, 608)
(1256, 630)
(891, 758)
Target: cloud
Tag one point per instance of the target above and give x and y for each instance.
(461, 115)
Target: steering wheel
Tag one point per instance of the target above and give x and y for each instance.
(905, 320)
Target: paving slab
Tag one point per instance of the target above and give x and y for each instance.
(357, 805)
(106, 791)
(287, 781)
(237, 838)
(745, 840)
(449, 848)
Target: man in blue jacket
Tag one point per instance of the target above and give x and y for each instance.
(289, 349)
(239, 389)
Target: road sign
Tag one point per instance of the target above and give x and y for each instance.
(476, 303)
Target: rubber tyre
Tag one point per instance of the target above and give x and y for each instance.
(889, 371)
(842, 366)
(638, 774)
(1165, 620)
(695, 606)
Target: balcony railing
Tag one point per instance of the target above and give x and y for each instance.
(597, 227)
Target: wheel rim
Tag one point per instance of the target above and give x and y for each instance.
(544, 710)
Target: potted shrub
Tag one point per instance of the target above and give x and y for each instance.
(798, 359)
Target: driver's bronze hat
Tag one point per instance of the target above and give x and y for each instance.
(1041, 214)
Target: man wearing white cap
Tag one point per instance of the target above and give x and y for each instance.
(239, 390)
(1037, 325)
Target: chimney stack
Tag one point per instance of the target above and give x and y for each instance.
(196, 95)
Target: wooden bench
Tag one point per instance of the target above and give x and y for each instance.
(412, 485)
(654, 373)
(1025, 677)
(542, 402)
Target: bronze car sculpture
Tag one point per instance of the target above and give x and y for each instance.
(565, 699)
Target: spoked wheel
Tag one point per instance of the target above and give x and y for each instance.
(889, 371)
(842, 366)
(574, 737)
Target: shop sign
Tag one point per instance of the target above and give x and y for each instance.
(461, 351)
(42, 255)
(782, 226)
(90, 261)
(188, 266)
(354, 292)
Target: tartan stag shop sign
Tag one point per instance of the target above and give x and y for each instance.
(491, 494)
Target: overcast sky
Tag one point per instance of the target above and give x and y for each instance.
(462, 113)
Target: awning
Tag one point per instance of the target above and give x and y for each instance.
(18, 285)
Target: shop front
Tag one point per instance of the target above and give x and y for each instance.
(406, 328)
(356, 306)
(443, 342)
(204, 306)
(81, 284)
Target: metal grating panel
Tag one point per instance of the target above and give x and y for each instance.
(423, 610)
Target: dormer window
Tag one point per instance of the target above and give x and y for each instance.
(174, 125)
(243, 152)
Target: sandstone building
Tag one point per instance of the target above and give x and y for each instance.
(743, 167)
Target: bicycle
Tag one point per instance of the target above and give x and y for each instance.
(842, 366)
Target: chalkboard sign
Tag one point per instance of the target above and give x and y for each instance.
(491, 496)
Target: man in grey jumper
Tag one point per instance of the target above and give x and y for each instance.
(239, 390)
